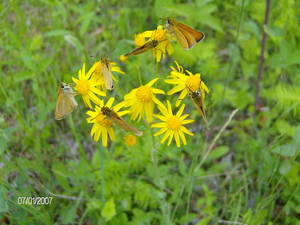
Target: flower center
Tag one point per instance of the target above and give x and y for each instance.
(130, 140)
(103, 121)
(193, 83)
(83, 87)
(173, 123)
(144, 94)
(159, 35)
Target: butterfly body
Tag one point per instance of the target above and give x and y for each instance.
(115, 119)
(66, 102)
(185, 36)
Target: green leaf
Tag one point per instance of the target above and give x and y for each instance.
(291, 148)
(86, 20)
(68, 215)
(296, 142)
(109, 210)
(94, 205)
(285, 150)
(285, 167)
(3, 204)
(204, 221)
(36, 42)
(218, 153)
(28, 61)
(187, 218)
(96, 159)
(73, 41)
(60, 171)
(57, 33)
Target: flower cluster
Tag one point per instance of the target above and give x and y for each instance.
(140, 102)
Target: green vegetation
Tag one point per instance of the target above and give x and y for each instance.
(249, 176)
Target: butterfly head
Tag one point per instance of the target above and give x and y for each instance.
(106, 111)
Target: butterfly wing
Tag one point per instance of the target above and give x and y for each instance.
(198, 102)
(147, 46)
(123, 124)
(186, 36)
(65, 105)
(107, 76)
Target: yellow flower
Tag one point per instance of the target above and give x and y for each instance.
(86, 87)
(98, 74)
(130, 140)
(123, 58)
(160, 35)
(172, 125)
(141, 100)
(185, 83)
(101, 125)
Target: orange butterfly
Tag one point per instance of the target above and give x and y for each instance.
(186, 36)
(65, 101)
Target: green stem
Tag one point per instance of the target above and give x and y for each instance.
(156, 71)
(102, 174)
(77, 138)
(154, 158)
(119, 89)
(153, 146)
(139, 71)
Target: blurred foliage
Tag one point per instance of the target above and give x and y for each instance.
(250, 177)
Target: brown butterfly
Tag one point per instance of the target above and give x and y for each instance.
(115, 119)
(186, 36)
(145, 47)
(197, 99)
(65, 101)
(152, 43)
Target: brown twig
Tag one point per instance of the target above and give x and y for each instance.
(212, 144)
(261, 60)
(230, 222)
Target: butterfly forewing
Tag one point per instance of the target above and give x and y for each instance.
(65, 102)
(147, 46)
(125, 126)
(107, 75)
(198, 102)
(186, 36)
(197, 35)
(115, 119)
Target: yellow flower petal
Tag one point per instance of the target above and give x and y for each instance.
(178, 114)
(177, 140)
(158, 125)
(152, 82)
(170, 137)
(104, 138)
(110, 102)
(182, 137)
(184, 130)
(157, 91)
(166, 135)
(161, 131)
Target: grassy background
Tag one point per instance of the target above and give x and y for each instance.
(250, 177)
